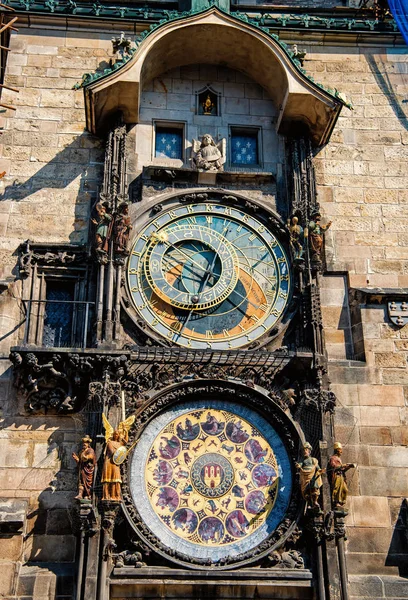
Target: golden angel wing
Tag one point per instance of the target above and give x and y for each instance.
(108, 428)
(125, 425)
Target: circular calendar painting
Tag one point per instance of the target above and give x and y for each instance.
(212, 479)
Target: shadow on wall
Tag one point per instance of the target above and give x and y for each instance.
(398, 551)
(378, 69)
(83, 157)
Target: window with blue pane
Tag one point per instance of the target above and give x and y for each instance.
(244, 147)
(58, 316)
(169, 143)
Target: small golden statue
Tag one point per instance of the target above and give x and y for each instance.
(208, 105)
(310, 477)
(116, 440)
(336, 472)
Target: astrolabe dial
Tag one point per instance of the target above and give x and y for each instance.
(191, 267)
(211, 498)
(208, 275)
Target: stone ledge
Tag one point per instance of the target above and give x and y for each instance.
(207, 575)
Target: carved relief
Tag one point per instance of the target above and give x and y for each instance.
(207, 155)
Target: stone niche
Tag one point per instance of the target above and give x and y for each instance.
(169, 102)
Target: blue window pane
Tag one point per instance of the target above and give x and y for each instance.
(244, 149)
(169, 143)
(58, 316)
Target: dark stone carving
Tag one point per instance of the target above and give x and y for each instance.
(111, 220)
(84, 519)
(316, 237)
(49, 386)
(297, 240)
(319, 399)
(103, 222)
(48, 255)
(128, 558)
(58, 382)
(287, 559)
(121, 230)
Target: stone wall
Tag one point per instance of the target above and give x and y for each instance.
(53, 165)
(362, 181)
(53, 168)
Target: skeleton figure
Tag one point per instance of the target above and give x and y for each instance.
(207, 155)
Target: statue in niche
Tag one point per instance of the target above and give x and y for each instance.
(122, 229)
(297, 238)
(207, 155)
(310, 478)
(208, 105)
(336, 472)
(103, 223)
(116, 440)
(316, 231)
(86, 461)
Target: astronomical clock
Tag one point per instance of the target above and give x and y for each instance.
(209, 274)
(212, 476)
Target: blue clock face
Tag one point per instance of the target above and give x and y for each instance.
(207, 275)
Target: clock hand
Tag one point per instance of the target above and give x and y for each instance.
(209, 272)
(202, 285)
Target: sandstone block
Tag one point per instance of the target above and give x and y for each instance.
(11, 549)
(376, 239)
(369, 564)
(179, 102)
(7, 579)
(372, 395)
(17, 60)
(371, 416)
(370, 511)
(366, 586)
(38, 60)
(381, 137)
(376, 435)
(387, 360)
(383, 482)
(14, 453)
(40, 49)
(52, 98)
(343, 194)
(388, 456)
(50, 548)
(369, 539)
(46, 82)
(179, 86)
(395, 587)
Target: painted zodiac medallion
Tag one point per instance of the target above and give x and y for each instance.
(214, 476)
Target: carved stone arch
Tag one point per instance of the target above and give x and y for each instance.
(215, 37)
(257, 401)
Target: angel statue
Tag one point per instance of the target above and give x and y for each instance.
(115, 439)
(207, 155)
